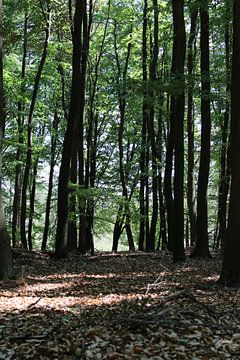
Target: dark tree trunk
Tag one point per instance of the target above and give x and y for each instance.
(177, 119)
(121, 81)
(74, 127)
(168, 193)
(147, 230)
(50, 180)
(63, 191)
(190, 127)
(150, 245)
(230, 274)
(86, 24)
(47, 16)
(32, 204)
(162, 239)
(118, 228)
(224, 182)
(92, 143)
(5, 249)
(72, 237)
(143, 170)
(18, 170)
(202, 241)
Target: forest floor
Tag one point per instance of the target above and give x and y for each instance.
(124, 306)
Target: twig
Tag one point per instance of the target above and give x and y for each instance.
(156, 282)
(33, 304)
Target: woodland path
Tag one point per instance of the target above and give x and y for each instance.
(125, 306)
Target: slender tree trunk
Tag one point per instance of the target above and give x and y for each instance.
(143, 169)
(147, 196)
(5, 249)
(121, 80)
(224, 161)
(32, 204)
(168, 183)
(20, 121)
(178, 102)
(50, 180)
(92, 141)
(83, 246)
(190, 127)
(162, 239)
(29, 129)
(202, 241)
(230, 274)
(150, 246)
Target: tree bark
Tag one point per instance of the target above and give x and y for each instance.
(202, 242)
(224, 182)
(190, 127)
(150, 245)
(6, 267)
(230, 274)
(177, 118)
(47, 16)
(67, 152)
(86, 25)
(18, 170)
(121, 81)
(32, 204)
(143, 169)
(50, 180)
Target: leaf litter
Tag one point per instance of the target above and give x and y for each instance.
(124, 306)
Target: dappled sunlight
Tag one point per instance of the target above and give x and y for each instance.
(127, 305)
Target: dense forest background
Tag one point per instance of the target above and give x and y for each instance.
(117, 124)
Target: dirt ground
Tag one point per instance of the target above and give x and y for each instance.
(117, 306)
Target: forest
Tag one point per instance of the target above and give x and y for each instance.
(120, 168)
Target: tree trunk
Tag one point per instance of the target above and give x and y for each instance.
(47, 16)
(86, 24)
(177, 118)
(118, 228)
(202, 241)
(168, 193)
(5, 249)
(72, 237)
(121, 81)
(190, 128)
(162, 239)
(18, 170)
(50, 180)
(73, 118)
(32, 204)
(230, 274)
(224, 182)
(150, 246)
(143, 170)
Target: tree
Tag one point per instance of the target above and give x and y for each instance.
(191, 57)
(5, 250)
(202, 241)
(143, 196)
(230, 274)
(16, 213)
(47, 17)
(176, 123)
(74, 128)
(124, 212)
(224, 180)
